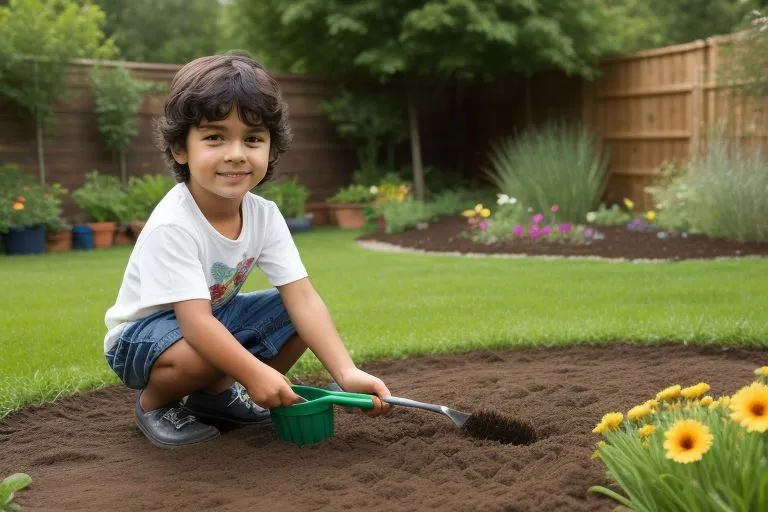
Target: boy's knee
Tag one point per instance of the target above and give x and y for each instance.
(186, 360)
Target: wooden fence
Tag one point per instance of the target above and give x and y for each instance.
(660, 105)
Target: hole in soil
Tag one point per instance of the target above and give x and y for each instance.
(495, 427)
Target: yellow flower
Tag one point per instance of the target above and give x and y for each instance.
(646, 431)
(669, 393)
(469, 213)
(651, 215)
(478, 207)
(695, 391)
(18, 206)
(628, 203)
(687, 441)
(762, 372)
(723, 402)
(707, 401)
(750, 407)
(639, 411)
(651, 403)
(485, 213)
(610, 421)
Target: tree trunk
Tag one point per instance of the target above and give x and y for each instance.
(418, 170)
(123, 168)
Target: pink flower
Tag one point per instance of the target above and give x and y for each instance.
(518, 231)
(554, 208)
(588, 233)
(564, 228)
(546, 230)
(538, 218)
(534, 231)
(484, 225)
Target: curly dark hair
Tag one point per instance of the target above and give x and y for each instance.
(207, 89)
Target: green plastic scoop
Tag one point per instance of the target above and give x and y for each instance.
(311, 421)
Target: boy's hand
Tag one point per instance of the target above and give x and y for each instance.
(357, 381)
(269, 388)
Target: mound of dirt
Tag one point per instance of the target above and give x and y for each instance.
(443, 235)
(85, 453)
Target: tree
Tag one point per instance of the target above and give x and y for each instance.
(37, 40)
(171, 31)
(428, 40)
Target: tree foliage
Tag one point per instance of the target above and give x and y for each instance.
(37, 38)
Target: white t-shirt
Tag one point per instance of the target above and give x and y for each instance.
(180, 256)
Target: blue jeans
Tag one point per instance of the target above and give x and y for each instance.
(258, 320)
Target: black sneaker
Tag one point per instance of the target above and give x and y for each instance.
(172, 426)
(232, 405)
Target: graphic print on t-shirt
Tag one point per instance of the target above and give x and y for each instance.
(228, 280)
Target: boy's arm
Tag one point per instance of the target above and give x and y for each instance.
(314, 324)
(265, 385)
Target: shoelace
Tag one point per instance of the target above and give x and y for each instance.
(178, 417)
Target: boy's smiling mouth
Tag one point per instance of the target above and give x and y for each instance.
(233, 175)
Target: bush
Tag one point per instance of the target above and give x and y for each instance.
(353, 194)
(405, 214)
(143, 194)
(682, 451)
(290, 197)
(102, 198)
(26, 204)
(671, 198)
(556, 164)
(613, 216)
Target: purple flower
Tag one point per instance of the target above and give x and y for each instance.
(484, 225)
(588, 233)
(534, 231)
(537, 218)
(518, 231)
(554, 208)
(564, 228)
(546, 230)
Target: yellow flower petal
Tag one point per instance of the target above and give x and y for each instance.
(706, 401)
(610, 421)
(18, 206)
(637, 412)
(646, 430)
(695, 391)
(750, 407)
(485, 213)
(469, 213)
(651, 215)
(687, 441)
(628, 203)
(669, 393)
(478, 207)
(762, 371)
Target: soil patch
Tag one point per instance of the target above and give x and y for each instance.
(443, 235)
(85, 453)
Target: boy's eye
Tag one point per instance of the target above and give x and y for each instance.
(213, 137)
(253, 140)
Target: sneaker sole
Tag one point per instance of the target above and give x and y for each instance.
(161, 444)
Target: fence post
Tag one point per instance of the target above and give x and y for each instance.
(697, 100)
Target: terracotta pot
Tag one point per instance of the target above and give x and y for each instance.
(123, 236)
(322, 214)
(58, 241)
(349, 216)
(381, 224)
(103, 233)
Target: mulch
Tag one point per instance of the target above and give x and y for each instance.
(443, 235)
(85, 453)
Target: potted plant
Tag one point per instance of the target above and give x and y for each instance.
(102, 200)
(348, 205)
(291, 199)
(58, 236)
(141, 198)
(26, 208)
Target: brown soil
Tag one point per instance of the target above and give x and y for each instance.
(85, 453)
(443, 236)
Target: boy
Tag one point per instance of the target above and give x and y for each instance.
(179, 331)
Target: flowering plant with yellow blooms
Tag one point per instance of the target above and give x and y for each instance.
(684, 450)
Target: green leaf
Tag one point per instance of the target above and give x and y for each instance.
(616, 496)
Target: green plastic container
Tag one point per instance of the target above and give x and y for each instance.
(312, 421)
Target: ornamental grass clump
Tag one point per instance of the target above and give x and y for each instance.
(683, 450)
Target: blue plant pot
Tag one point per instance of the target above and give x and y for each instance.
(299, 225)
(82, 237)
(19, 241)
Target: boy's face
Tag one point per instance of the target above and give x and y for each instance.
(226, 158)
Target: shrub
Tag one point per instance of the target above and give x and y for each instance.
(26, 204)
(143, 194)
(671, 196)
(353, 194)
(290, 196)
(682, 451)
(102, 198)
(556, 164)
(405, 214)
(613, 216)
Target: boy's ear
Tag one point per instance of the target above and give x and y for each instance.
(179, 154)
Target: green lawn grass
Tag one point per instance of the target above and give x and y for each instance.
(393, 305)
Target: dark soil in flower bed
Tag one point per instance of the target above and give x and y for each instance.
(85, 453)
(443, 235)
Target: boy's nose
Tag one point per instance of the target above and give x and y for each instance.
(235, 154)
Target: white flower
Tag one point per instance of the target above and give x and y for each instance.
(502, 199)
(591, 217)
(373, 190)
(512, 200)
